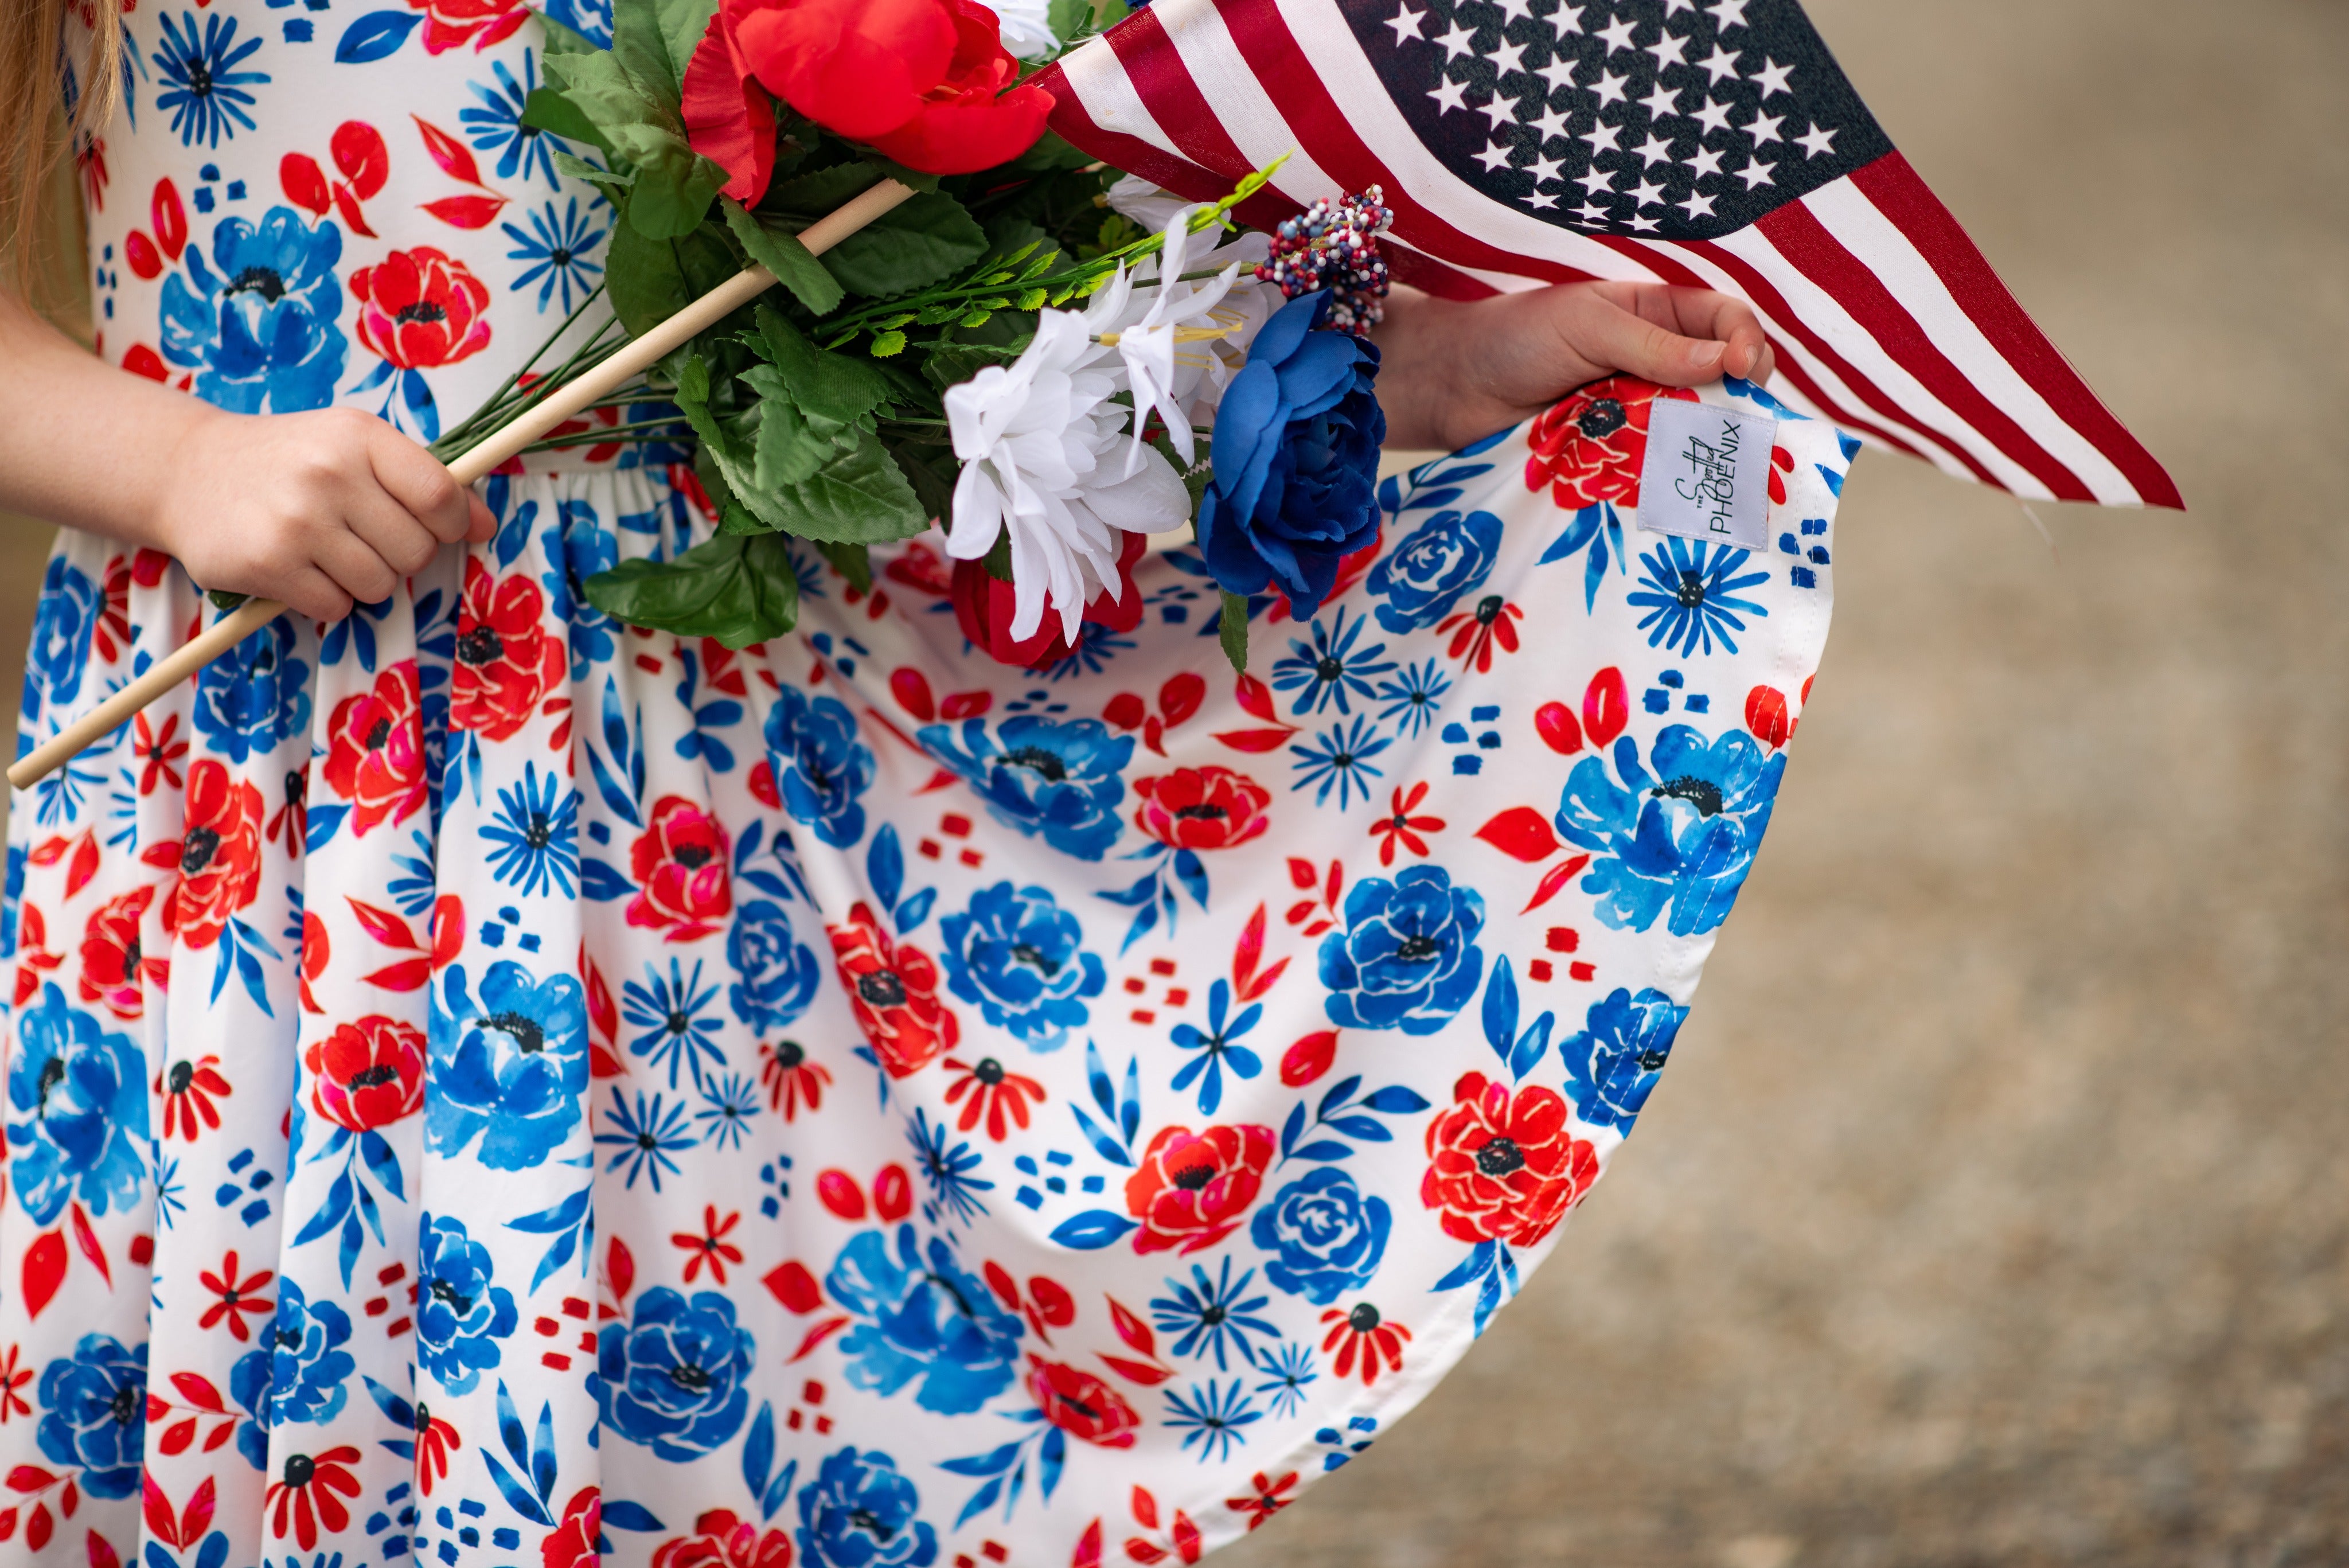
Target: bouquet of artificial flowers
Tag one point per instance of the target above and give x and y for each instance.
(1045, 357)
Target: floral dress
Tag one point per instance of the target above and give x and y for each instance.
(486, 1085)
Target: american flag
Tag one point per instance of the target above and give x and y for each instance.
(1714, 145)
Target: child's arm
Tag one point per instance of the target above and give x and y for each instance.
(314, 509)
(1454, 372)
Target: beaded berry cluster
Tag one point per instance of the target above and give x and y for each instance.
(1335, 246)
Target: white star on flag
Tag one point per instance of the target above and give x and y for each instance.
(1603, 138)
(1818, 141)
(1671, 49)
(1498, 112)
(1610, 87)
(1407, 24)
(1721, 65)
(1452, 95)
(1647, 193)
(1728, 14)
(1496, 156)
(1459, 41)
(1509, 59)
(1540, 198)
(1707, 161)
(1764, 127)
(1662, 103)
(1756, 174)
(1552, 123)
(1559, 73)
(1515, 11)
(1695, 205)
(1544, 169)
(1618, 35)
(1655, 150)
(1714, 115)
(1569, 20)
(1774, 78)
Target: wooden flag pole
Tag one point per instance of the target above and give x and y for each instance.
(639, 355)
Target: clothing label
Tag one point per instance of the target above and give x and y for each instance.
(1707, 473)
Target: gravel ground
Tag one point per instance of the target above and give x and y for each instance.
(1996, 1209)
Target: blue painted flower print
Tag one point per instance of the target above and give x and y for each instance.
(923, 1318)
(859, 1512)
(1421, 580)
(1017, 956)
(1058, 780)
(258, 324)
(251, 699)
(202, 89)
(508, 1070)
(555, 253)
(1693, 603)
(778, 972)
(61, 631)
(1682, 836)
(309, 1370)
(77, 1111)
(461, 1314)
(822, 769)
(1612, 1062)
(94, 1413)
(1408, 957)
(1325, 1236)
(582, 546)
(673, 1378)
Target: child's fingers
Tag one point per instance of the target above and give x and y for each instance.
(405, 544)
(1638, 344)
(355, 567)
(483, 523)
(312, 594)
(418, 482)
(1701, 314)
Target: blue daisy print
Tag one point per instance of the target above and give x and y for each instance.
(204, 92)
(496, 126)
(1691, 603)
(1330, 669)
(554, 252)
(534, 840)
(1340, 759)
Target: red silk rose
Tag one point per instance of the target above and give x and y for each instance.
(721, 1539)
(368, 1075)
(680, 866)
(924, 81)
(220, 854)
(1202, 809)
(375, 760)
(1081, 1405)
(505, 661)
(419, 309)
(1193, 1189)
(1590, 447)
(894, 987)
(984, 605)
(1504, 1167)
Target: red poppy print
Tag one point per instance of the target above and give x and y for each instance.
(368, 1075)
(450, 23)
(1588, 449)
(722, 1539)
(188, 1089)
(1502, 1166)
(1193, 1188)
(1202, 809)
(505, 661)
(986, 1087)
(1081, 1405)
(220, 854)
(894, 987)
(115, 968)
(376, 757)
(1361, 1331)
(679, 861)
(419, 309)
(309, 1492)
(571, 1545)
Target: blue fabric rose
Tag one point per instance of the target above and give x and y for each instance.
(1017, 956)
(61, 632)
(1057, 780)
(260, 330)
(508, 1070)
(308, 1366)
(1327, 1239)
(1613, 1062)
(673, 1379)
(778, 973)
(250, 700)
(1682, 836)
(460, 1314)
(1295, 456)
(859, 1512)
(822, 769)
(1408, 957)
(927, 1319)
(94, 1413)
(77, 1103)
(1444, 557)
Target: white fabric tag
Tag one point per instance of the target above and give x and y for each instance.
(1707, 473)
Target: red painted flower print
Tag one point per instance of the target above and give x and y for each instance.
(220, 854)
(1202, 809)
(114, 965)
(1193, 1188)
(722, 1539)
(1588, 449)
(505, 661)
(679, 861)
(894, 987)
(375, 760)
(1503, 1167)
(1081, 1405)
(448, 24)
(421, 310)
(573, 1542)
(368, 1075)
(305, 1495)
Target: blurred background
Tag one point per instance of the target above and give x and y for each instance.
(1996, 1208)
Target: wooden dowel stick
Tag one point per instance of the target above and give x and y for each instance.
(639, 355)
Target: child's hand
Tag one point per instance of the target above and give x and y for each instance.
(1453, 372)
(314, 509)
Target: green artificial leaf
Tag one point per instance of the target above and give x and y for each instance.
(924, 239)
(853, 561)
(791, 445)
(1233, 633)
(549, 111)
(683, 24)
(738, 589)
(1070, 20)
(631, 102)
(997, 559)
(929, 467)
(886, 344)
(615, 185)
(563, 39)
(917, 179)
(833, 386)
(780, 252)
(859, 497)
(812, 195)
(651, 280)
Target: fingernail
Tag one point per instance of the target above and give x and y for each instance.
(1709, 353)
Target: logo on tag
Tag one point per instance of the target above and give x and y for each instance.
(1707, 473)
